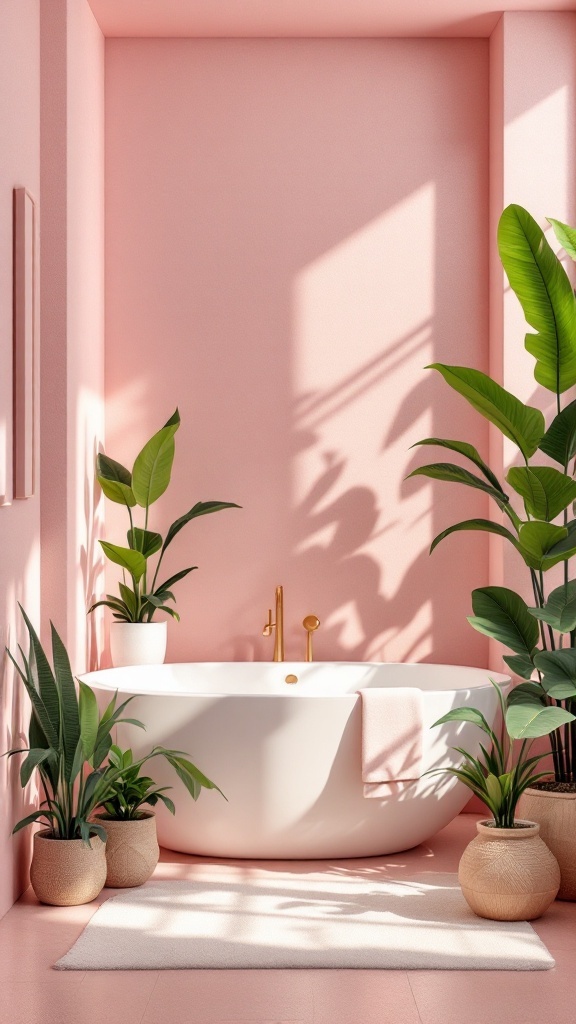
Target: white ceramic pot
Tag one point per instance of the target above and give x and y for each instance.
(138, 643)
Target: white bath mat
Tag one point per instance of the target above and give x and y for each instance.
(283, 919)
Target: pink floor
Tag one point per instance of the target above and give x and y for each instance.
(33, 937)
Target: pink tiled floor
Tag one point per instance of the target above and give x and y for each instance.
(33, 937)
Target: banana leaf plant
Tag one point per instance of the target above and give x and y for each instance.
(500, 774)
(535, 506)
(130, 790)
(68, 742)
(141, 598)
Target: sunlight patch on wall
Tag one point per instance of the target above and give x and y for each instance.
(363, 332)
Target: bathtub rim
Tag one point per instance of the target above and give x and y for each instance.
(95, 679)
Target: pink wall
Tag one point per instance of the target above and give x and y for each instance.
(72, 315)
(19, 521)
(294, 229)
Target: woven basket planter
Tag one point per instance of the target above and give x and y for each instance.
(131, 850)
(508, 874)
(67, 872)
(556, 815)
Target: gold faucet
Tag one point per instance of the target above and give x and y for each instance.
(278, 625)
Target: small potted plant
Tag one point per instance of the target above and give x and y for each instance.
(136, 638)
(132, 847)
(507, 873)
(68, 743)
(537, 503)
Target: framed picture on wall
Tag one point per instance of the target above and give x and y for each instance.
(25, 342)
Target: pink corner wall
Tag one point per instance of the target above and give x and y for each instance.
(72, 316)
(294, 229)
(20, 520)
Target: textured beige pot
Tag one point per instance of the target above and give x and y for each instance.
(556, 815)
(66, 872)
(131, 850)
(508, 874)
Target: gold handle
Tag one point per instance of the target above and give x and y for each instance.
(267, 631)
(311, 623)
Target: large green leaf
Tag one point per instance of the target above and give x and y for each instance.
(563, 549)
(546, 491)
(565, 235)
(89, 720)
(469, 452)
(504, 616)
(145, 541)
(131, 560)
(153, 466)
(537, 540)
(465, 715)
(544, 291)
(558, 670)
(527, 693)
(201, 508)
(529, 721)
(521, 423)
(33, 760)
(559, 441)
(47, 688)
(115, 480)
(69, 702)
(485, 525)
(520, 664)
(458, 475)
(560, 608)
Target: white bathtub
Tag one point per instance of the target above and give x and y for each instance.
(288, 756)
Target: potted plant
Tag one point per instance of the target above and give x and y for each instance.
(132, 847)
(542, 529)
(68, 742)
(135, 636)
(507, 873)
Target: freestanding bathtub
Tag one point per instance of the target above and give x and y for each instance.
(287, 756)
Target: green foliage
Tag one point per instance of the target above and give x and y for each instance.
(500, 774)
(130, 791)
(542, 637)
(544, 291)
(148, 480)
(68, 741)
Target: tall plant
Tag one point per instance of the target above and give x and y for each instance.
(141, 598)
(68, 741)
(542, 528)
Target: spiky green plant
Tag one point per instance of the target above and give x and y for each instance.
(500, 775)
(68, 741)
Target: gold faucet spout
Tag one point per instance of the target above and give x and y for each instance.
(279, 634)
(277, 626)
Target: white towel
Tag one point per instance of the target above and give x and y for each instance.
(391, 737)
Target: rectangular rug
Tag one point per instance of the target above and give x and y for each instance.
(283, 919)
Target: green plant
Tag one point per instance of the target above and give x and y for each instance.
(68, 741)
(501, 774)
(129, 791)
(542, 637)
(143, 486)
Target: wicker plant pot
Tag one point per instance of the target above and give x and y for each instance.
(131, 850)
(66, 872)
(508, 874)
(556, 815)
